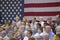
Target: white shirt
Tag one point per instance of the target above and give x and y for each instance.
(25, 38)
(33, 26)
(37, 34)
(42, 23)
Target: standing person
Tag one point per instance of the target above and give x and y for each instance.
(41, 21)
(33, 25)
(57, 36)
(18, 21)
(19, 35)
(57, 21)
(29, 34)
(46, 36)
(36, 36)
(48, 31)
(4, 36)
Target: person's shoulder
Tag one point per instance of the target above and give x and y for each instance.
(0, 37)
(37, 34)
(54, 38)
(42, 34)
(52, 33)
(25, 38)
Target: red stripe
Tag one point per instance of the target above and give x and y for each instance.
(41, 13)
(54, 4)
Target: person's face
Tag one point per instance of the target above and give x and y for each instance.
(41, 19)
(33, 20)
(3, 34)
(15, 29)
(19, 34)
(22, 29)
(28, 34)
(6, 28)
(10, 34)
(39, 31)
(46, 37)
(48, 29)
(17, 19)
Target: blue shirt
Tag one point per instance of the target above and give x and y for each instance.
(51, 35)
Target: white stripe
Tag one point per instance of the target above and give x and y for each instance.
(45, 9)
(37, 17)
(40, 1)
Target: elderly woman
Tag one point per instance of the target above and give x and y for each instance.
(57, 36)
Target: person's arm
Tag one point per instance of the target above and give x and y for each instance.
(37, 37)
(54, 38)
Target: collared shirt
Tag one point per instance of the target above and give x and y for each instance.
(51, 35)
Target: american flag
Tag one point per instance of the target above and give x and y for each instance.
(10, 8)
(44, 8)
(29, 8)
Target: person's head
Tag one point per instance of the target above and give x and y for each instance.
(58, 18)
(46, 36)
(19, 34)
(11, 34)
(58, 31)
(27, 23)
(17, 18)
(3, 33)
(48, 29)
(40, 30)
(13, 23)
(38, 25)
(40, 19)
(15, 29)
(49, 20)
(22, 29)
(33, 19)
(7, 23)
(24, 19)
(29, 33)
(22, 23)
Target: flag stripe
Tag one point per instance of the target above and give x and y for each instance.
(41, 13)
(52, 4)
(37, 17)
(40, 1)
(45, 9)
(41, 8)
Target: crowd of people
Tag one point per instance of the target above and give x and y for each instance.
(31, 29)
